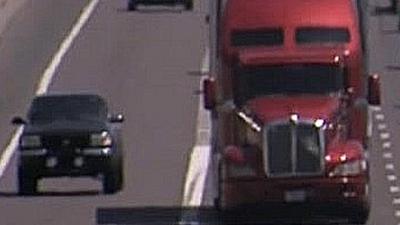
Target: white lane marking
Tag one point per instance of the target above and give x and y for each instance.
(64, 47)
(394, 189)
(396, 201)
(387, 155)
(385, 136)
(391, 177)
(386, 144)
(376, 108)
(389, 166)
(9, 151)
(199, 158)
(46, 78)
(397, 213)
(379, 117)
(382, 126)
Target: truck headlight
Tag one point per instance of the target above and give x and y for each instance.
(30, 141)
(102, 139)
(349, 168)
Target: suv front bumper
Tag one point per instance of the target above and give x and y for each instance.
(85, 163)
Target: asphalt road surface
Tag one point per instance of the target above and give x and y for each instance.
(139, 61)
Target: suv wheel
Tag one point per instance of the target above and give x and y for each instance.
(189, 4)
(132, 5)
(113, 178)
(27, 184)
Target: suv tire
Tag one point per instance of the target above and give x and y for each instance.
(27, 184)
(132, 5)
(189, 4)
(113, 178)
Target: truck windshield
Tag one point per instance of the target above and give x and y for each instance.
(64, 107)
(287, 79)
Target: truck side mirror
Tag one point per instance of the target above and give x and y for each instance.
(374, 89)
(209, 93)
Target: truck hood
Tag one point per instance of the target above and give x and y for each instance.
(270, 108)
(66, 127)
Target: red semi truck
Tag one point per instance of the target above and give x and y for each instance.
(284, 137)
(292, 25)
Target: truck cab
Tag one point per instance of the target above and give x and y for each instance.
(284, 137)
(281, 27)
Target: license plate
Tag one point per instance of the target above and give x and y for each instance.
(295, 196)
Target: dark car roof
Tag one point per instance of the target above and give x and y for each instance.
(68, 106)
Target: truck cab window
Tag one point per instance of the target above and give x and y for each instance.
(266, 37)
(309, 35)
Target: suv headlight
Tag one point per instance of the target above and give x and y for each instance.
(349, 168)
(102, 139)
(30, 141)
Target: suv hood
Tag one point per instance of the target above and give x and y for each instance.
(66, 127)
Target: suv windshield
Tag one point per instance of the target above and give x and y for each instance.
(287, 79)
(77, 107)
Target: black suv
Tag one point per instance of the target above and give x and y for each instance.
(69, 135)
(132, 4)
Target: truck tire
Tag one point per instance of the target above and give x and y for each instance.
(218, 201)
(361, 218)
(189, 5)
(362, 215)
(132, 5)
(113, 178)
(27, 184)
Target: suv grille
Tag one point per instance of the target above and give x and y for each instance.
(65, 141)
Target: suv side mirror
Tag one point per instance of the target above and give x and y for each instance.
(117, 118)
(209, 93)
(374, 89)
(18, 121)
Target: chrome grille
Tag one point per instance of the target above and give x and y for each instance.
(293, 149)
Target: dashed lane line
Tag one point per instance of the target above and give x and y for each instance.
(382, 126)
(380, 117)
(391, 177)
(386, 145)
(387, 155)
(389, 166)
(385, 136)
(394, 189)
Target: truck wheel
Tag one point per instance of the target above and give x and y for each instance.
(218, 201)
(132, 5)
(113, 179)
(361, 218)
(189, 4)
(362, 215)
(27, 184)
